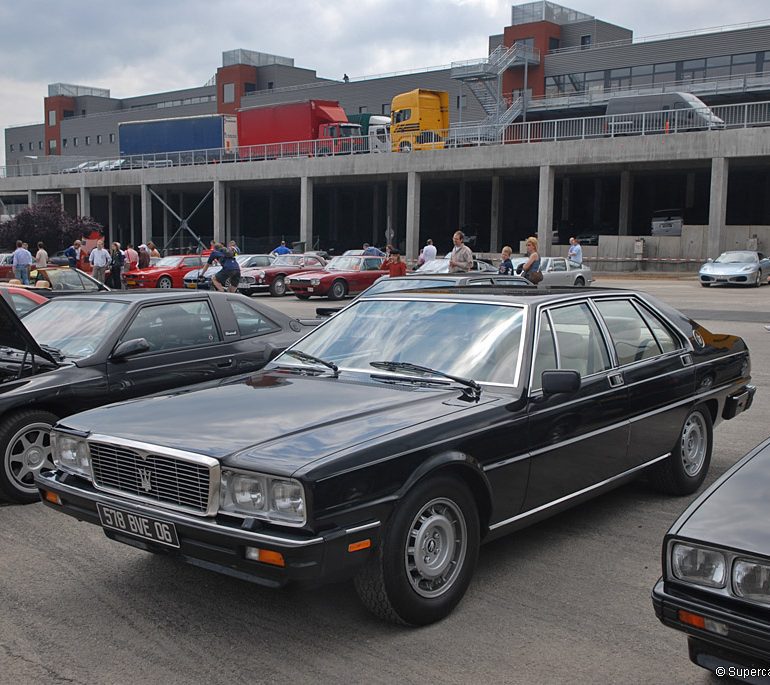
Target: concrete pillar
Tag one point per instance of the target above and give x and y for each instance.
(237, 219)
(306, 211)
(689, 195)
(375, 212)
(228, 213)
(391, 212)
(717, 205)
(545, 209)
(461, 212)
(132, 221)
(626, 195)
(219, 210)
(84, 201)
(165, 219)
(597, 213)
(146, 214)
(31, 197)
(112, 234)
(413, 216)
(495, 215)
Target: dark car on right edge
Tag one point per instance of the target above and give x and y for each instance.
(716, 573)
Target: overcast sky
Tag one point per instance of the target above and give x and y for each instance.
(147, 46)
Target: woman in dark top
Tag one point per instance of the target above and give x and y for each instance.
(117, 258)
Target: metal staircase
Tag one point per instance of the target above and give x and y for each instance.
(484, 79)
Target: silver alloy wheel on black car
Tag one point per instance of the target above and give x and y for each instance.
(25, 445)
(426, 557)
(693, 444)
(164, 282)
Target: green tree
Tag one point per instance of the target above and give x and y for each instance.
(46, 222)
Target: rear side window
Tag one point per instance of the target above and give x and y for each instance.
(632, 338)
(250, 321)
(579, 342)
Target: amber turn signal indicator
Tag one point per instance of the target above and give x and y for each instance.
(692, 619)
(52, 497)
(361, 544)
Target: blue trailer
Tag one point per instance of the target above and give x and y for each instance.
(179, 140)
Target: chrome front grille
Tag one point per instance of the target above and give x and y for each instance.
(142, 474)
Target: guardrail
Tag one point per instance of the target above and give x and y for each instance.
(714, 120)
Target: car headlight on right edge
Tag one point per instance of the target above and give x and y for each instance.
(71, 453)
(698, 565)
(270, 498)
(751, 580)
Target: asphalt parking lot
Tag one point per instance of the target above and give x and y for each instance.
(565, 601)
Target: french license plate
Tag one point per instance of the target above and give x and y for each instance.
(310, 290)
(190, 285)
(130, 282)
(140, 526)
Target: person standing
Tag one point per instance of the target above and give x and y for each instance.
(153, 250)
(428, 253)
(144, 257)
(22, 261)
(41, 256)
(230, 273)
(132, 257)
(531, 268)
(117, 260)
(237, 250)
(371, 251)
(506, 266)
(282, 249)
(99, 260)
(393, 265)
(73, 254)
(575, 252)
(461, 257)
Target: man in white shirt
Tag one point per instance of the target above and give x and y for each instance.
(41, 256)
(575, 252)
(99, 259)
(428, 253)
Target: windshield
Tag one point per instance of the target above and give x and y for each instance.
(288, 260)
(167, 261)
(435, 266)
(75, 327)
(345, 264)
(736, 258)
(390, 285)
(478, 341)
(350, 130)
(69, 279)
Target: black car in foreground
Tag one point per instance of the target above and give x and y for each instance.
(716, 573)
(84, 351)
(404, 431)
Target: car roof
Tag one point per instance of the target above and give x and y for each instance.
(138, 295)
(503, 294)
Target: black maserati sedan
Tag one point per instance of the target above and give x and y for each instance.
(83, 351)
(716, 573)
(403, 432)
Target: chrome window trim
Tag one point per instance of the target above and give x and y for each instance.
(146, 449)
(566, 498)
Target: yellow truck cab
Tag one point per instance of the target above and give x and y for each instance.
(420, 120)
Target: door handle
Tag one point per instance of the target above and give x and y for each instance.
(224, 364)
(615, 379)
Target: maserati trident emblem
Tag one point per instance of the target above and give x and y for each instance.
(146, 479)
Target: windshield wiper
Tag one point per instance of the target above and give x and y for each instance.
(53, 351)
(473, 388)
(305, 357)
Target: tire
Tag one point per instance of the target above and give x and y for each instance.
(338, 290)
(302, 297)
(25, 448)
(439, 515)
(757, 281)
(686, 468)
(580, 282)
(164, 282)
(278, 287)
(405, 146)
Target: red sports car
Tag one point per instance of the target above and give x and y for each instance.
(345, 275)
(273, 277)
(167, 273)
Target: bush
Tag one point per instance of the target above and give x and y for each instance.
(46, 222)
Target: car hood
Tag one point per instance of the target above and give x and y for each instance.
(730, 268)
(321, 273)
(14, 334)
(733, 512)
(277, 421)
(195, 273)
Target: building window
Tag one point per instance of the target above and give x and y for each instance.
(112, 137)
(585, 41)
(744, 64)
(249, 87)
(31, 146)
(620, 78)
(270, 85)
(693, 69)
(51, 146)
(13, 149)
(39, 144)
(594, 82)
(718, 66)
(52, 117)
(553, 44)
(554, 85)
(63, 143)
(74, 141)
(642, 76)
(363, 109)
(385, 109)
(529, 42)
(228, 92)
(98, 138)
(664, 73)
(462, 102)
(88, 140)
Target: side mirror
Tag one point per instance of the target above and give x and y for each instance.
(128, 348)
(554, 382)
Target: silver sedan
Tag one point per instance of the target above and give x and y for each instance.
(560, 271)
(744, 267)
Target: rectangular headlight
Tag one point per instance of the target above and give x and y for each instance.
(698, 565)
(281, 500)
(751, 580)
(71, 453)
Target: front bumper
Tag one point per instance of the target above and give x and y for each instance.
(220, 543)
(306, 289)
(737, 279)
(745, 643)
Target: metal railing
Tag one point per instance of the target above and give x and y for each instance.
(713, 120)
